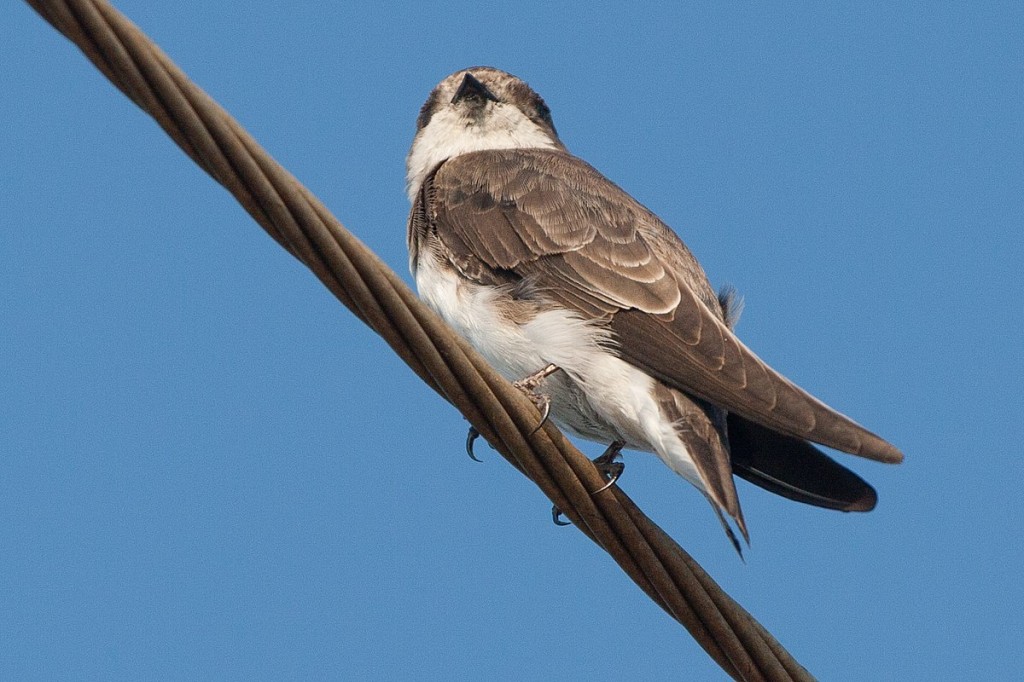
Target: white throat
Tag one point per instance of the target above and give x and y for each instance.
(450, 134)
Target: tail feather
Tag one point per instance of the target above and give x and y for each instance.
(701, 428)
(795, 469)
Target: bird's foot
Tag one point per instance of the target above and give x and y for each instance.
(608, 467)
(529, 386)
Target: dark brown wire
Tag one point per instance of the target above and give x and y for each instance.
(307, 230)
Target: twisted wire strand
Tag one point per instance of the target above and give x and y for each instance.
(376, 295)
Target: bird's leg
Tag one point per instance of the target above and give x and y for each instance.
(527, 385)
(530, 383)
(608, 467)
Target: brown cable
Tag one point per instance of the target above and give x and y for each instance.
(307, 230)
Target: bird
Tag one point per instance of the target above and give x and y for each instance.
(568, 285)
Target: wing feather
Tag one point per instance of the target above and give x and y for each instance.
(581, 241)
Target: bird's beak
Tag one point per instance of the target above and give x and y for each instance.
(471, 89)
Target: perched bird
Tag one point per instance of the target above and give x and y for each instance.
(553, 272)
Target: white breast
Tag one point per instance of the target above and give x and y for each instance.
(473, 311)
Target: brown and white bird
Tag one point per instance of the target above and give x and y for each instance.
(537, 259)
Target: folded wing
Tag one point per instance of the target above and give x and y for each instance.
(546, 217)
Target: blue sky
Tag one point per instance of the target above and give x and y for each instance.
(209, 469)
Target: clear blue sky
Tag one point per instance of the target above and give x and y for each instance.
(209, 469)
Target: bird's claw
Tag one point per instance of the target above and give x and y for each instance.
(470, 439)
(612, 472)
(608, 467)
(556, 517)
(545, 411)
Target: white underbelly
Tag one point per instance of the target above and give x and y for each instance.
(597, 395)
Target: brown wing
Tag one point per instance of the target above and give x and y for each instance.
(581, 241)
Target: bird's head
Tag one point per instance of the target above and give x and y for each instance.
(476, 109)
